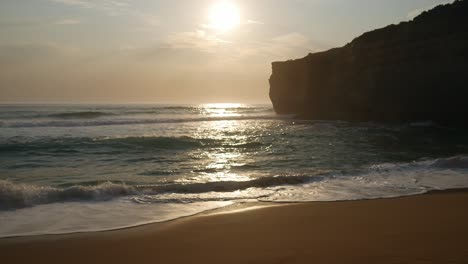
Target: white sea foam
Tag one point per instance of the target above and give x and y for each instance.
(23, 195)
(60, 218)
(133, 205)
(382, 181)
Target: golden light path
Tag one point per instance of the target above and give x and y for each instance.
(219, 161)
(224, 16)
(221, 109)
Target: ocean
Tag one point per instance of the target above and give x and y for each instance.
(79, 168)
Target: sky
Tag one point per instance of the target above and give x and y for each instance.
(171, 51)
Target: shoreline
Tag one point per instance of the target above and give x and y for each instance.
(427, 228)
(230, 209)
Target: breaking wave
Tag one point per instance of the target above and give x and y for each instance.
(456, 162)
(14, 195)
(22, 195)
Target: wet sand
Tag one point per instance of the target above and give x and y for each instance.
(430, 228)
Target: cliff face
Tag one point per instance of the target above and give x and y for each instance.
(413, 71)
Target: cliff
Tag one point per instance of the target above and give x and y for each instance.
(414, 71)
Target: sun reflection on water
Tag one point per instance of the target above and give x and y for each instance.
(219, 162)
(221, 109)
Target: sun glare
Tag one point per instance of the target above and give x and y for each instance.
(224, 16)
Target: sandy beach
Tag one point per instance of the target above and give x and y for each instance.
(428, 228)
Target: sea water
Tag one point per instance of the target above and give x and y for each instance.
(75, 168)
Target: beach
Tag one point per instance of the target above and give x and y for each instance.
(428, 228)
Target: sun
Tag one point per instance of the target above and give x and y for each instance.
(224, 16)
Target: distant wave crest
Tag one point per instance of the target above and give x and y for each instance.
(70, 120)
(83, 115)
(68, 144)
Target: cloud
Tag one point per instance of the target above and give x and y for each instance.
(68, 22)
(146, 21)
(80, 3)
(93, 4)
(212, 49)
(18, 23)
(282, 47)
(198, 39)
(111, 7)
(414, 13)
(293, 39)
(20, 56)
(254, 22)
(150, 20)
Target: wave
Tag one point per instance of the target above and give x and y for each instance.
(84, 115)
(60, 145)
(158, 142)
(392, 177)
(23, 195)
(83, 122)
(455, 162)
(45, 113)
(72, 145)
(248, 145)
(229, 186)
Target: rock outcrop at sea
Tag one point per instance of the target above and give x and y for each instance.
(413, 71)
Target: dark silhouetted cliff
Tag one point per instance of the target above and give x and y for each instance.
(413, 71)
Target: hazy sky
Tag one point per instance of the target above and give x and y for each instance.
(170, 50)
